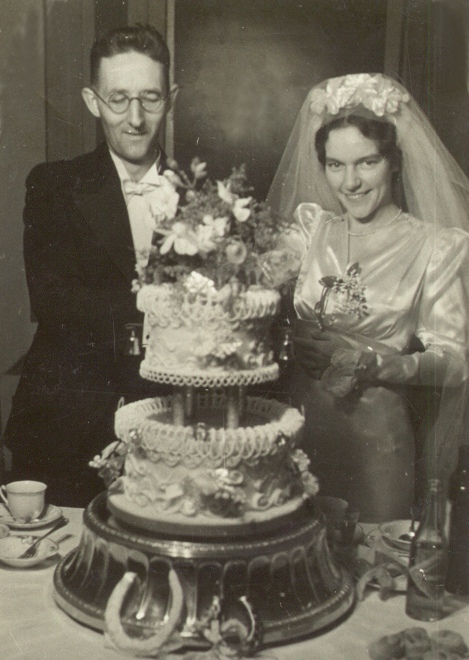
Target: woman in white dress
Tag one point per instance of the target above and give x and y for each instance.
(381, 295)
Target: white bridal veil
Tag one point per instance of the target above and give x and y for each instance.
(436, 191)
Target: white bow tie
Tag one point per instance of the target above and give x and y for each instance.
(138, 188)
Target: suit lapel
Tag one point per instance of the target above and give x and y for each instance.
(99, 197)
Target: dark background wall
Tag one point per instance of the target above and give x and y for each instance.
(433, 65)
(244, 69)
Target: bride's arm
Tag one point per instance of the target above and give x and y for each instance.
(442, 320)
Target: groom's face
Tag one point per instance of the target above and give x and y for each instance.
(132, 135)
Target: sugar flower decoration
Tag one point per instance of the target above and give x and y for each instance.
(196, 283)
(164, 201)
(209, 233)
(236, 252)
(199, 169)
(181, 238)
(238, 205)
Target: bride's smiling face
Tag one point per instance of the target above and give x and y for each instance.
(357, 173)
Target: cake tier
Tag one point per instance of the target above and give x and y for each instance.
(277, 586)
(204, 526)
(194, 335)
(203, 378)
(204, 475)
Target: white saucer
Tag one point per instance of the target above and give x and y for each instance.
(377, 541)
(11, 547)
(51, 514)
(395, 533)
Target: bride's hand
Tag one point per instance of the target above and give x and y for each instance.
(396, 369)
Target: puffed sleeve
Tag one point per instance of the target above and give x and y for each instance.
(444, 311)
(443, 315)
(307, 218)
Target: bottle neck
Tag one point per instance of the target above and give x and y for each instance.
(433, 518)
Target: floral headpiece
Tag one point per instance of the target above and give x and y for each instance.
(374, 92)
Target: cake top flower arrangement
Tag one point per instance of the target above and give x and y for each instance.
(208, 235)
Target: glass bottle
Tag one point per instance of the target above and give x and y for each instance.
(457, 577)
(428, 560)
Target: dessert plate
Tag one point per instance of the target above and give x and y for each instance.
(397, 534)
(50, 514)
(11, 547)
(376, 540)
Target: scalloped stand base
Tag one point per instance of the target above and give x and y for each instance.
(287, 576)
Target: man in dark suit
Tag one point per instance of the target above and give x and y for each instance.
(84, 225)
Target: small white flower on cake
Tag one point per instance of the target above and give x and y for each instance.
(301, 459)
(310, 483)
(302, 462)
(163, 201)
(228, 478)
(226, 349)
(172, 492)
(100, 460)
(204, 347)
(173, 178)
(240, 212)
(180, 237)
(236, 253)
(199, 284)
(210, 232)
(198, 168)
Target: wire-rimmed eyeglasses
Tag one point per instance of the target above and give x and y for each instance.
(119, 102)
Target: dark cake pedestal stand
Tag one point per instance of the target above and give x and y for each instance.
(272, 581)
(281, 582)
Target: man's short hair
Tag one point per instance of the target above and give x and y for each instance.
(139, 38)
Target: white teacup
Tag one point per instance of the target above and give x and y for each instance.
(24, 499)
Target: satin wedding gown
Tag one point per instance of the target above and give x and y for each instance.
(378, 291)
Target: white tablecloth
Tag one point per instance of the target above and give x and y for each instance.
(32, 627)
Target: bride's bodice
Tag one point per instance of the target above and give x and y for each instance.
(387, 285)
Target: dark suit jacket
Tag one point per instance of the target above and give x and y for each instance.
(80, 265)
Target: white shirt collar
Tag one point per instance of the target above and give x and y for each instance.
(151, 176)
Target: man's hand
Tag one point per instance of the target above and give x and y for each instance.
(313, 354)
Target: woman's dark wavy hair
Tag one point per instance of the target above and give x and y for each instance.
(143, 39)
(381, 132)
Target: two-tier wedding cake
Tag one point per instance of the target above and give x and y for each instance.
(208, 535)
